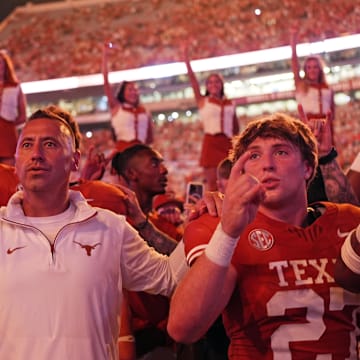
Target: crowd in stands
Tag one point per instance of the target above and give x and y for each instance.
(67, 41)
(179, 142)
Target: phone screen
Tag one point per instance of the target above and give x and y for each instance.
(194, 192)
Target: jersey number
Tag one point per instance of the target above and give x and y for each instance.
(315, 327)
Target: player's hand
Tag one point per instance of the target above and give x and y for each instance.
(244, 193)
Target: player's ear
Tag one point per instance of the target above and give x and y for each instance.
(308, 170)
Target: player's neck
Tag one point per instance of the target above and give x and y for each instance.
(293, 216)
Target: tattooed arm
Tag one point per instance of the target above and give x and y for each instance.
(160, 241)
(337, 186)
(163, 243)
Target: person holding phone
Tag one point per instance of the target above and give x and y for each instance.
(194, 192)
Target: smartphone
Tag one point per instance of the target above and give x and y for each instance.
(194, 192)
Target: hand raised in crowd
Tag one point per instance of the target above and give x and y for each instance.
(294, 31)
(185, 49)
(107, 45)
(95, 165)
(321, 128)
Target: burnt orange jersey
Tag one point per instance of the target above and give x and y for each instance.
(286, 304)
(9, 182)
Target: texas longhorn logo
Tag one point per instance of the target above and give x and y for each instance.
(88, 248)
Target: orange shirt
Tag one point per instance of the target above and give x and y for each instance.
(9, 182)
(101, 194)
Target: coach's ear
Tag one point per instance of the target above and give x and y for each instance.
(76, 160)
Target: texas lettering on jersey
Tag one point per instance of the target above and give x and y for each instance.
(299, 270)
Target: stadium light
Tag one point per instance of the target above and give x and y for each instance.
(179, 68)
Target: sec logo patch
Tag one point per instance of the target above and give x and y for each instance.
(261, 239)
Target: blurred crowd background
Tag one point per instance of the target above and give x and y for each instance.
(65, 38)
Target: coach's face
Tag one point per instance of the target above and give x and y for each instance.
(45, 156)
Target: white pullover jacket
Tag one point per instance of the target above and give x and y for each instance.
(62, 301)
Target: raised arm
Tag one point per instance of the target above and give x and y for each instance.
(294, 58)
(150, 131)
(21, 118)
(193, 80)
(105, 71)
(207, 287)
(337, 186)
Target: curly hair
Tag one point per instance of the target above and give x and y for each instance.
(281, 126)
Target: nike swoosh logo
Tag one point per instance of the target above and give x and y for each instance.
(342, 234)
(10, 251)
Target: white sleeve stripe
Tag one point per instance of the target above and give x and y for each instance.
(350, 258)
(195, 253)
